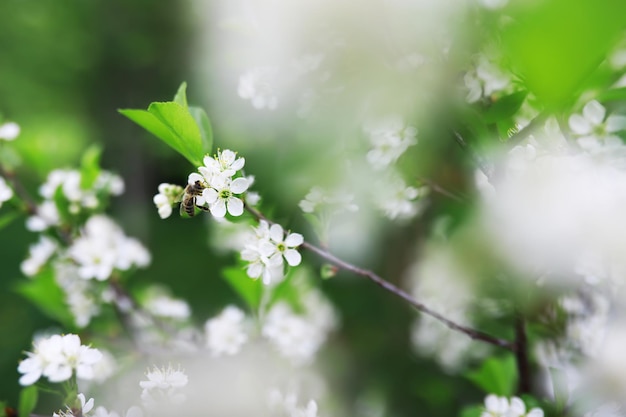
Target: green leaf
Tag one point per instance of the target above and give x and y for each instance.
(556, 45)
(28, 400)
(505, 107)
(43, 291)
(250, 290)
(472, 411)
(614, 94)
(90, 166)
(8, 218)
(497, 375)
(181, 95)
(204, 124)
(185, 129)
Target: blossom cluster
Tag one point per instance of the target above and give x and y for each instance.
(287, 405)
(298, 337)
(214, 188)
(225, 333)
(163, 386)
(68, 185)
(265, 250)
(57, 358)
(503, 407)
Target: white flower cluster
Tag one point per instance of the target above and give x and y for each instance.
(485, 79)
(503, 407)
(6, 193)
(38, 255)
(389, 139)
(9, 131)
(133, 411)
(80, 294)
(161, 304)
(399, 201)
(298, 337)
(57, 358)
(103, 247)
(259, 86)
(595, 131)
(169, 194)
(322, 201)
(606, 410)
(77, 197)
(163, 386)
(287, 405)
(218, 185)
(265, 250)
(225, 333)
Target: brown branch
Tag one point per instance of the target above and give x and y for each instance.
(20, 191)
(398, 292)
(521, 355)
(439, 189)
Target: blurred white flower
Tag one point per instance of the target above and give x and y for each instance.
(595, 131)
(9, 131)
(163, 386)
(56, 358)
(225, 334)
(485, 79)
(165, 306)
(103, 247)
(47, 215)
(397, 200)
(38, 255)
(259, 86)
(6, 193)
(389, 139)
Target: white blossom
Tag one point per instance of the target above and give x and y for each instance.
(38, 255)
(595, 131)
(103, 247)
(298, 337)
(169, 194)
(389, 139)
(225, 333)
(47, 215)
(162, 305)
(56, 358)
(163, 385)
(6, 193)
(259, 86)
(221, 196)
(321, 200)
(503, 407)
(9, 131)
(397, 200)
(485, 79)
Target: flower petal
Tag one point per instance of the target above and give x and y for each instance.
(293, 257)
(235, 206)
(294, 239)
(239, 185)
(615, 123)
(594, 112)
(218, 209)
(276, 233)
(579, 124)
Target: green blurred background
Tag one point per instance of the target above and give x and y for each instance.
(66, 66)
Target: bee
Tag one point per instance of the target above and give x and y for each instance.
(188, 204)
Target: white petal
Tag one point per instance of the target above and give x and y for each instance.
(293, 257)
(239, 185)
(235, 206)
(535, 412)
(615, 123)
(254, 270)
(210, 195)
(218, 209)
(238, 164)
(579, 124)
(594, 112)
(193, 177)
(276, 233)
(517, 406)
(294, 239)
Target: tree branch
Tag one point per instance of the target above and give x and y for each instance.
(398, 292)
(521, 355)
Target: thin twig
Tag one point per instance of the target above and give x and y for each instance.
(521, 355)
(30, 205)
(439, 189)
(472, 333)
